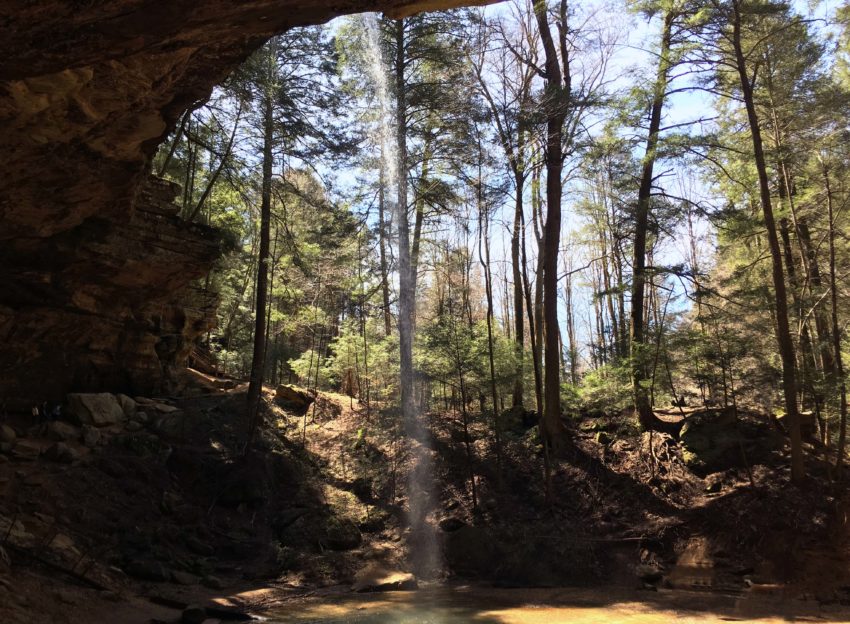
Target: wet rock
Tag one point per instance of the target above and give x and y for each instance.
(61, 431)
(100, 409)
(294, 398)
(193, 614)
(342, 534)
(376, 578)
(62, 453)
(7, 434)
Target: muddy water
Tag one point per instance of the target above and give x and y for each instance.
(551, 606)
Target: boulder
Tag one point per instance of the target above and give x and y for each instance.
(184, 578)
(7, 434)
(127, 404)
(170, 425)
(62, 453)
(451, 523)
(471, 551)
(376, 578)
(26, 450)
(517, 420)
(294, 398)
(342, 534)
(91, 436)
(61, 431)
(163, 408)
(213, 582)
(712, 440)
(100, 409)
(648, 573)
(148, 570)
(193, 614)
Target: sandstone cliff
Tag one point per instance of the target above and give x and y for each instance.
(93, 272)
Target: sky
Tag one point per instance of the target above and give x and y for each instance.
(631, 60)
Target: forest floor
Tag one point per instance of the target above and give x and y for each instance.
(164, 511)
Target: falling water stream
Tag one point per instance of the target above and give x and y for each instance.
(424, 548)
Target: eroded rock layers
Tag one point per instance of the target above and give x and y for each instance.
(94, 276)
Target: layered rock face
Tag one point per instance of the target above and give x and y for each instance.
(108, 305)
(93, 272)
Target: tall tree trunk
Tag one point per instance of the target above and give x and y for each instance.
(382, 248)
(484, 258)
(638, 346)
(519, 332)
(571, 329)
(556, 100)
(255, 385)
(783, 333)
(836, 332)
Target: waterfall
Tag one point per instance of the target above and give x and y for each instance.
(423, 543)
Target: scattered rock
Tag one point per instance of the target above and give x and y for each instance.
(184, 578)
(170, 425)
(648, 573)
(451, 523)
(127, 404)
(91, 436)
(148, 570)
(100, 409)
(141, 417)
(134, 426)
(7, 434)
(294, 398)
(28, 450)
(193, 614)
(162, 408)
(213, 582)
(61, 431)
(61, 452)
(714, 482)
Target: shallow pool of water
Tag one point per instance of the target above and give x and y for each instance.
(549, 606)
